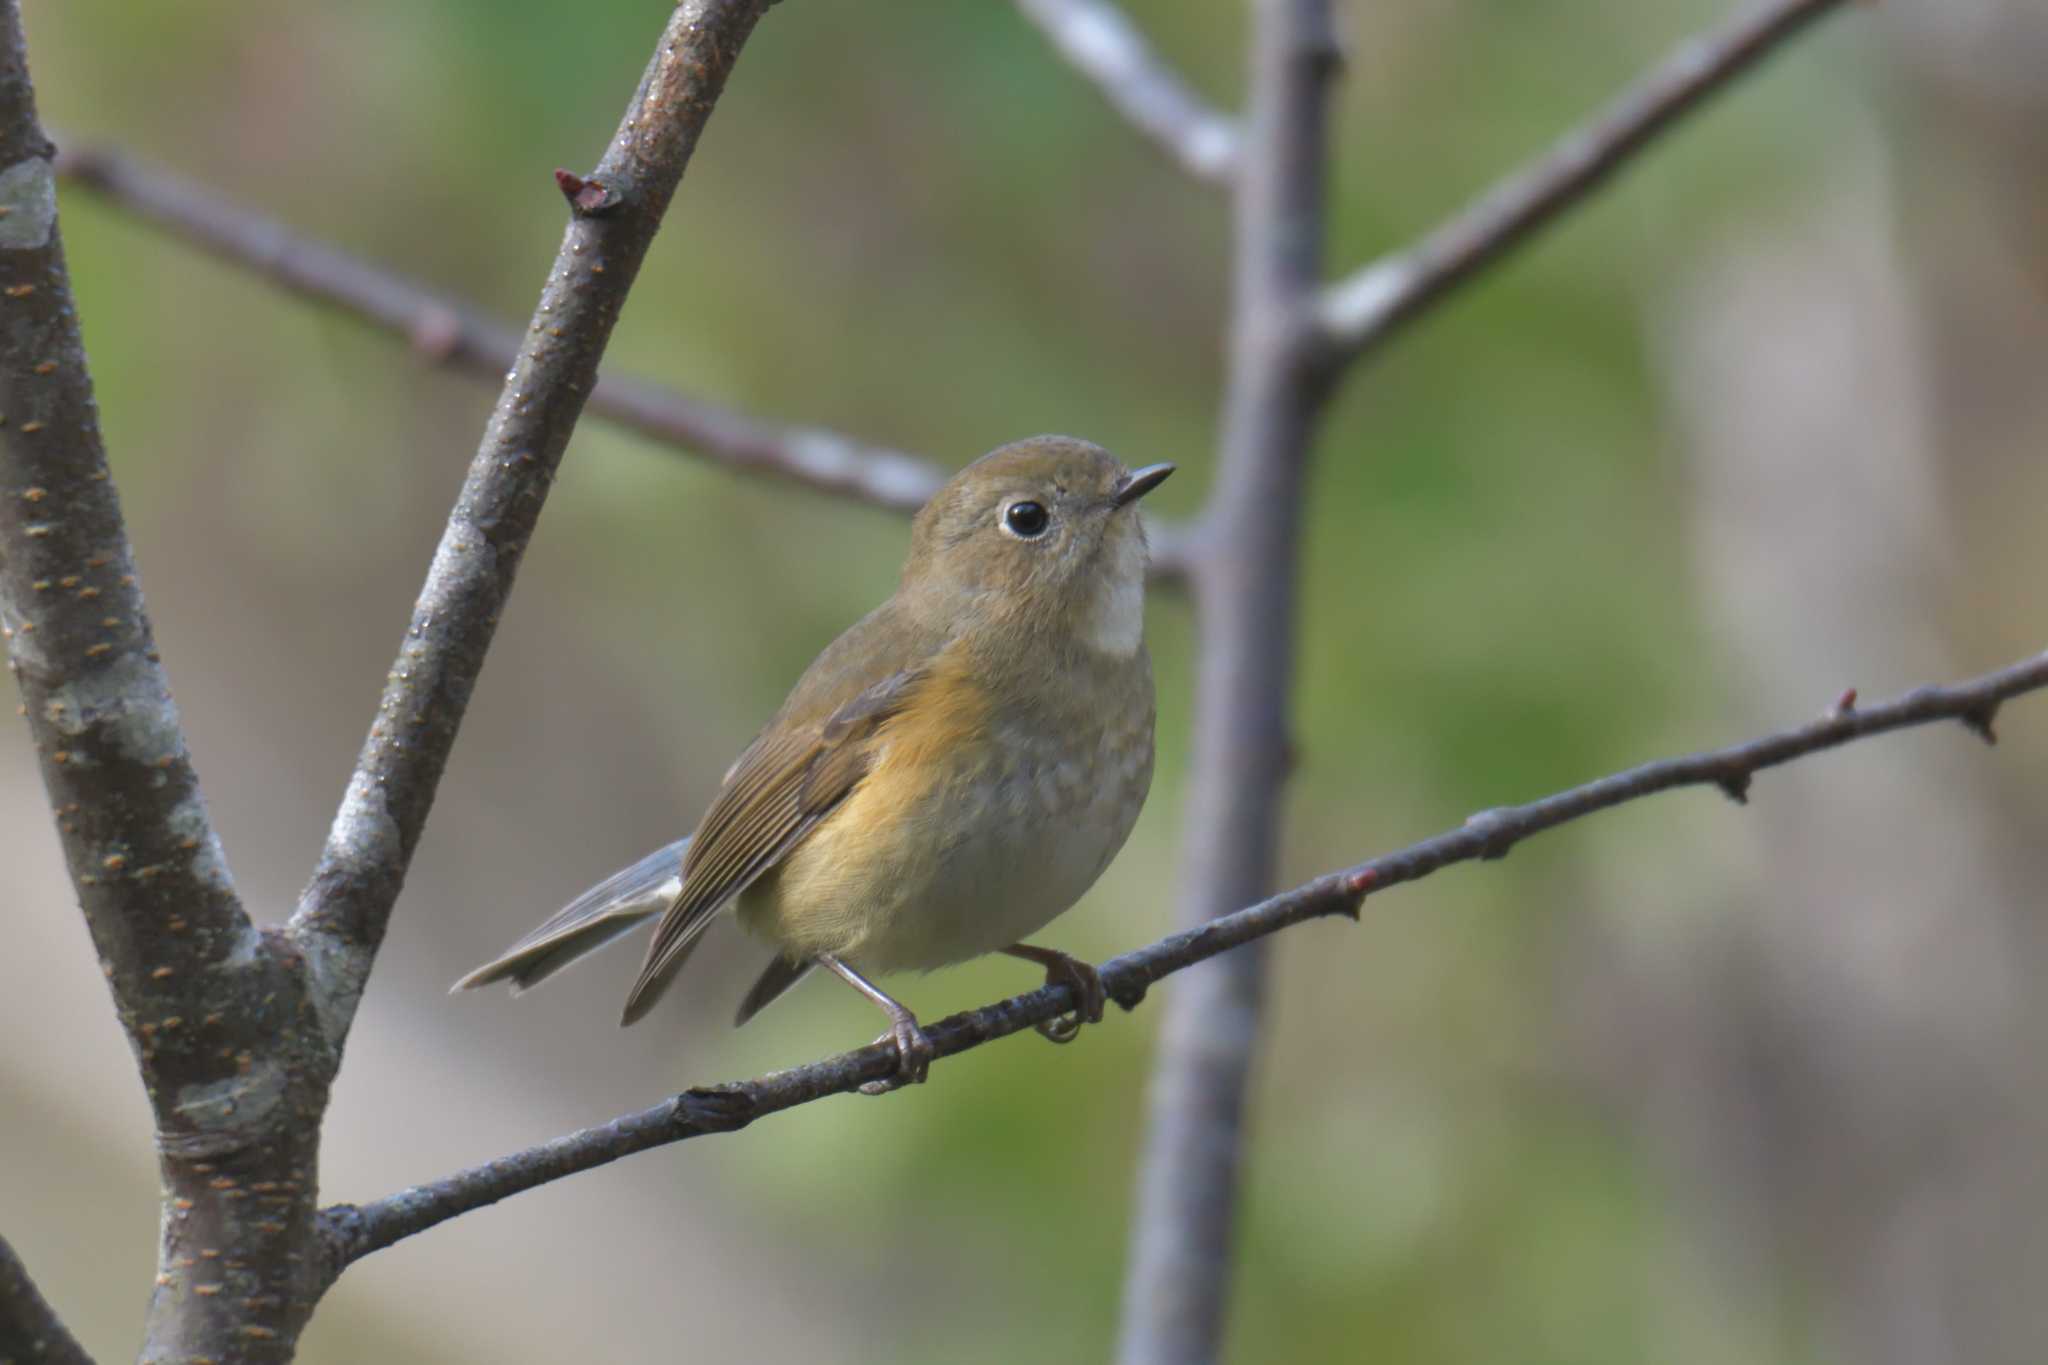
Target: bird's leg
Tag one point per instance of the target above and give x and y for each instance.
(913, 1049)
(1083, 980)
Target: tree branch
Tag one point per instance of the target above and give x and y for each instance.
(142, 854)
(352, 1231)
(343, 912)
(1101, 42)
(1177, 1283)
(31, 1333)
(452, 334)
(207, 1002)
(1360, 312)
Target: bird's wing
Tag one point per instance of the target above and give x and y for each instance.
(615, 906)
(790, 779)
(778, 976)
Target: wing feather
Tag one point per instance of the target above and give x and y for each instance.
(617, 905)
(775, 795)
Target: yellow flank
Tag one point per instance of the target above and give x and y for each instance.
(843, 885)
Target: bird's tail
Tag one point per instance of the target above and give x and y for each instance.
(617, 905)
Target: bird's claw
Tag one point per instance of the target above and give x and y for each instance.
(1063, 1028)
(914, 1053)
(1089, 995)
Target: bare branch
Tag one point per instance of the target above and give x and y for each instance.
(1177, 1282)
(450, 333)
(31, 1333)
(1101, 42)
(352, 1231)
(1360, 312)
(343, 913)
(204, 997)
(142, 854)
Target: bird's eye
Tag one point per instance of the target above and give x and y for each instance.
(1026, 520)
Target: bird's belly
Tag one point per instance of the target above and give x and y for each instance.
(986, 854)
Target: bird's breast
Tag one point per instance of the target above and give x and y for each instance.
(978, 823)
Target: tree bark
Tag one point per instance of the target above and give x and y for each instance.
(1244, 584)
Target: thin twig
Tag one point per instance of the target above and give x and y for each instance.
(450, 333)
(614, 215)
(352, 1231)
(1100, 41)
(1360, 312)
(453, 334)
(31, 1333)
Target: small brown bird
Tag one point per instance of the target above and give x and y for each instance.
(951, 773)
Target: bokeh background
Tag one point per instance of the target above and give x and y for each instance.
(1686, 1083)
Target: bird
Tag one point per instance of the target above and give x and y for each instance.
(949, 775)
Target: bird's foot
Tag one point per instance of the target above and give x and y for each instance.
(1077, 976)
(914, 1053)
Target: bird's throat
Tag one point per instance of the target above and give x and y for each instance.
(1113, 621)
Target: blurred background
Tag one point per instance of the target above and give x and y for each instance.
(1686, 1082)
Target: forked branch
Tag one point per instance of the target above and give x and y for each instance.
(1360, 312)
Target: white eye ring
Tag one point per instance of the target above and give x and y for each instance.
(1026, 519)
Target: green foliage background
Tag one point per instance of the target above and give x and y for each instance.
(911, 222)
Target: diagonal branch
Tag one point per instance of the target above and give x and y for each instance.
(1101, 42)
(1360, 312)
(352, 1231)
(142, 854)
(449, 333)
(31, 1333)
(343, 912)
(453, 334)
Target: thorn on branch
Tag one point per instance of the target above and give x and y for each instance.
(587, 198)
(1735, 788)
(1845, 705)
(1357, 887)
(1979, 721)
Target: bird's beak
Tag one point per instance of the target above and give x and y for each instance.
(1138, 483)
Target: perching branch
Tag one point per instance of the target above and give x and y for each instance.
(31, 1333)
(353, 1231)
(1361, 311)
(614, 215)
(450, 333)
(453, 334)
(1101, 42)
